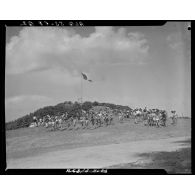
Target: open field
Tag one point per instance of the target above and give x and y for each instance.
(114, 145)
(178, 161)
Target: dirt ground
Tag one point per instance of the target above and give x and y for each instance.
(92, 148)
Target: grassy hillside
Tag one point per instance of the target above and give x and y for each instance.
(68, 106)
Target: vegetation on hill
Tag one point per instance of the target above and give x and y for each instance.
(68, 106)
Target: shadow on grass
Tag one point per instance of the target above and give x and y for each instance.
(173, 162)
(184, 142)
(177, 162)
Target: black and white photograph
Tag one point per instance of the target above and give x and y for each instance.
(98, 97)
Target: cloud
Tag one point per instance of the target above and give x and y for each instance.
(174, 40)
(26, 98)
(43, 48)
(18, 106)
(60, 77)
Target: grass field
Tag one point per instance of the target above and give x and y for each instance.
(178, 161)
(32, 142)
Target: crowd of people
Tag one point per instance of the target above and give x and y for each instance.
(105, 117)
(83, 119)
(151, 117)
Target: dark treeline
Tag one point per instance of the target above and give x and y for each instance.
(68, 106)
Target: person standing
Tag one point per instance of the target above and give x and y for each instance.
(35, 120)
(164, 118)
(174, 118)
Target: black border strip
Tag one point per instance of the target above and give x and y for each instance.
(85, 172)
(84, 22)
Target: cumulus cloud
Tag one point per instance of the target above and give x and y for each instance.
(40, 48)
(26, 98)
(174, 40)
(18, 106)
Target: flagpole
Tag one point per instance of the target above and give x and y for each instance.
(81, 92)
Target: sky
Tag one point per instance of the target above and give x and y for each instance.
(136, 66)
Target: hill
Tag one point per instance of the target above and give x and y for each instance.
(68, 106)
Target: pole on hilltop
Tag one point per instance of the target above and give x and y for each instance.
(81, 92)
